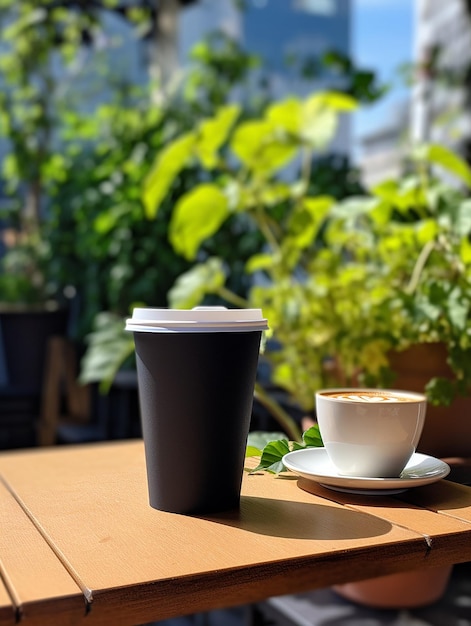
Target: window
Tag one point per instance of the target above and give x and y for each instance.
(319, 7)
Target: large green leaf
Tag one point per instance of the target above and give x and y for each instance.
(320, 116)
(439, 155)
(312, 437)
(197, 215)
(109, 345)
(341, 102)
(213, 133)
(191, 287)
(167, 166)
(354, 207)
(427, 230)
(318, 126)
(387, 190)
(286, 114)
(463, 218)
(458, 309)
(260, 148)
(305, 224)
(465, 251)
(272, 455)
(258, 262)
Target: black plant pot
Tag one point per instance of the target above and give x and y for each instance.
(23, 343)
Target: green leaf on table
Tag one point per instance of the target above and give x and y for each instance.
(197, 215)
(272, 455)
(190, 287)
(312, 437)
(252, 451)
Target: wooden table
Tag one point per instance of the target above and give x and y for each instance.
(80, 545)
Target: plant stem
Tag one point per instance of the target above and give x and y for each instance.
(232, 298)
(265, 229)
(306, 166)
(282, 417)
(419, 266)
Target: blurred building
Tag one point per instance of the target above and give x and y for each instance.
(441, 98)
(440, 105)
(288, 35)
(383, 151)
(284, 33)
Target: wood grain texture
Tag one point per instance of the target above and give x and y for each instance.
(7, 610)
(137, 564)
(29, 569)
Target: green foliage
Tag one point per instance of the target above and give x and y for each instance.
(197, 215)
(275, 446)
(172, 160)
(103, 244)
(109, 347)
(81, 139)
(191, 288)
(407, 277)
(215, 201)
(342, 283)
(253, 184)
(219, 64)
(47, 51)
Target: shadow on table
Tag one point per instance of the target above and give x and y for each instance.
(300, 520)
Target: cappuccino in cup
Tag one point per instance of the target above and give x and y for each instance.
(370, 432)
(368, 396)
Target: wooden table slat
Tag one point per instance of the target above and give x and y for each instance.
(7, 610)
(29, 568)
(138, 564)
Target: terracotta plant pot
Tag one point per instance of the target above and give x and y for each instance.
(406, 589)
(447, 435)
(447, 429)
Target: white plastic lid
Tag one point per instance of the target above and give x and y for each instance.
(207, 319)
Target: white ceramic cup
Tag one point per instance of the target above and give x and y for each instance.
(370, 432)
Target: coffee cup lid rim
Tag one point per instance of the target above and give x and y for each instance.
(198, 318)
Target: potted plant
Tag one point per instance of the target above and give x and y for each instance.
(345, 285)
(35, 41)
(411, 240)
(72, 154)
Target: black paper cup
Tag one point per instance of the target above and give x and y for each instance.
(196, 374)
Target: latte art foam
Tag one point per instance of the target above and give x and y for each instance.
(369, 397)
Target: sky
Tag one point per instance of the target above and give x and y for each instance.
(382, 40)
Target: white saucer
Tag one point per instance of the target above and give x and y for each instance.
(314, 464)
